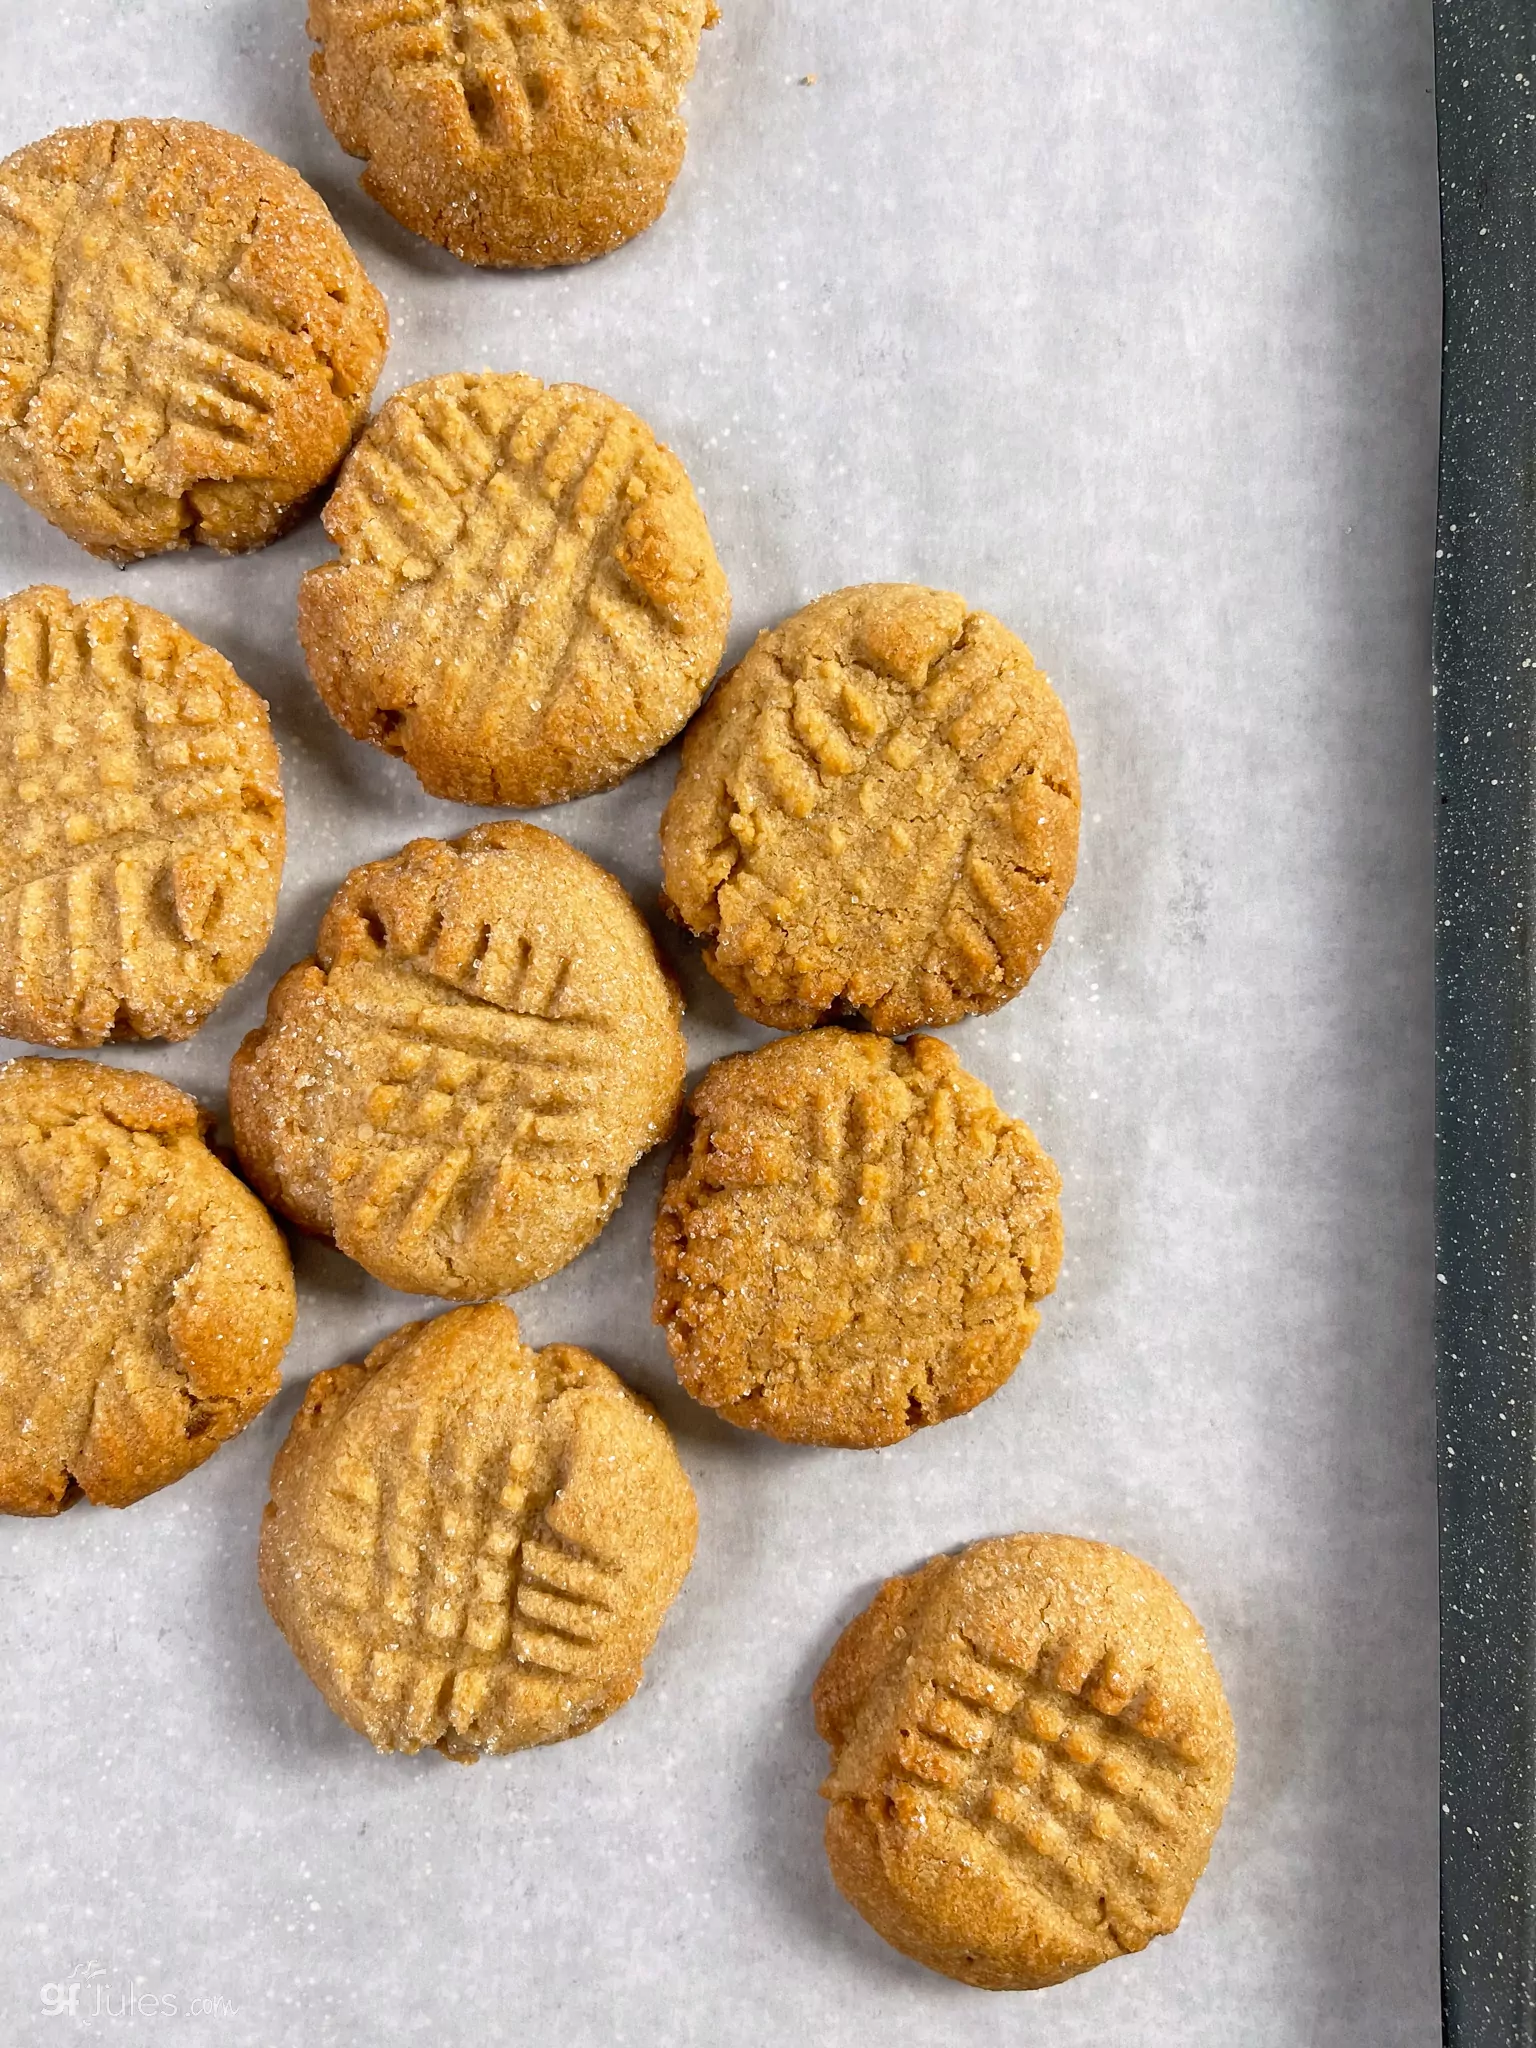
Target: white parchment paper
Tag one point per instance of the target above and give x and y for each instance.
(1122, 320)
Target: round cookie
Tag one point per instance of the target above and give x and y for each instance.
(519, 132)
(1031, 1752)
(876, 813)
(142, 814)
(528, 603)
(471, 1546)
(852, 1239)
(148, 1296)
(187, 343)
(455, 1087)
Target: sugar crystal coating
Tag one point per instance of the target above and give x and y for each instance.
(455, 1087)
(877, 813)
(521, 132)
(139, 782)
(187, 343)
(147, 1297)
(471, 1545)
(1031, 1752)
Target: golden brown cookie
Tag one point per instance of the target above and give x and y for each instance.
(141, 822)
(522, 132)
(852, 1239)
(145, 1295)
(877, 813)
(1031, 1752)
(470, 1545)
(455, 1088)
(187, 343)
(528, 603)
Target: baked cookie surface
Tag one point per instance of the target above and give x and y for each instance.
(877, 813)
(142, 808)
(1031, 1751)
(471, 1545)
(528, 603)
(852, 1239)
(187, 343)
(517, 132)
(455, 1088)
(147, 1295)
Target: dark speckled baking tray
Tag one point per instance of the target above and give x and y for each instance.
(1485, 668)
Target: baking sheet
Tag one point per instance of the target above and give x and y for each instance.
(1124, 321)
(1484, 642)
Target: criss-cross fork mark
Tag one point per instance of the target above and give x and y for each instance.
(815, 734)
(459, 1096)
(509, 59)
(499, 529)
(30, 227)
(75, 252)
(413, 1036)
(417, 477)
(825, 751)
(1051, 1779)
(71, 1277)
(119, 770)
(446, 1584)
(859, 1139)
(201, 357)
(565, 1607)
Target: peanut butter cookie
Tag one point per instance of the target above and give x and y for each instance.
(877, 813)
(187, 343)
(852, 1239)
(455, 1088)
(1031, 1752)
(528, 603)
(522, 132)
(146, 1295)
(141, 822)
(470, 1545)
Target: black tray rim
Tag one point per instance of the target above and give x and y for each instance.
(1485, 736)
